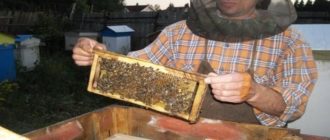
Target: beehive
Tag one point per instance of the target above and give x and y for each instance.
(153, 86)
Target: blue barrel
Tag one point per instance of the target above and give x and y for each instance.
(7, 63)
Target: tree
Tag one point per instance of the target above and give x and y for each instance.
(321, 5)
(156, 7)
(107, 5)
(301, 5)
(81, 6)
(37, 5)
(308, 6)
(171, 6)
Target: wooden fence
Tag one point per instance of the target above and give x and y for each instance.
(17, 22)
(146, 24)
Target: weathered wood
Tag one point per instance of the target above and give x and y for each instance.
(197, 85)
(112, 120)
(124, 137)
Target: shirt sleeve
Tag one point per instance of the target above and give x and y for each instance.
(159, 51)
(295, 77)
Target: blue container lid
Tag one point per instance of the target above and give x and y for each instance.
(21, 38)
(117, 31)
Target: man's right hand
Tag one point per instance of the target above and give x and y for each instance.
(83, 51)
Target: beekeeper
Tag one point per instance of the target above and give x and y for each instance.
(259, 69)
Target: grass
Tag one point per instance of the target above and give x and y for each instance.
(55, 91)
(321, 54)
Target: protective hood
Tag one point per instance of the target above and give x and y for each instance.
(204, 20)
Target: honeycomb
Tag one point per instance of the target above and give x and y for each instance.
(146, 84)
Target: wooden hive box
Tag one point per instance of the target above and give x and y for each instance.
(167, 90)
(112, 120)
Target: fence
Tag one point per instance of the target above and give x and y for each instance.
(146, 24)
(17, 22)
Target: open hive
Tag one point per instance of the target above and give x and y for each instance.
(157, 87)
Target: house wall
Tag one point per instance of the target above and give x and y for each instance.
(317, 35)
(316, 120)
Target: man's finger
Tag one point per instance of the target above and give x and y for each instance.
(81, 58)
(83, 63)
(234, 77)
(227, 86)
(100, 46)
(82, 52)
(231, 99)
(225, 93)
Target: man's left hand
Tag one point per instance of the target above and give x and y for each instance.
(234, 88)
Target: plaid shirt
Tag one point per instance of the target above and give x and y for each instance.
(283, 62)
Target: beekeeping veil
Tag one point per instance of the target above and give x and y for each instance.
(273, 17)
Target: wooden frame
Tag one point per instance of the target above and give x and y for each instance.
(199, 87)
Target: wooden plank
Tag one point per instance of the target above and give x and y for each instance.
(121, 121)
(125, 137)
(68, 130)
(143, 123)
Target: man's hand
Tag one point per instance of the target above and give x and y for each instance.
(234, 88)
(83, 51)
(239, 87)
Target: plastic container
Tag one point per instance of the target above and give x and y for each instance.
(7, 62)
(72, 37)
(117, 38)
(27, 53)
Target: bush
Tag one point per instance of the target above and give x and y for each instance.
(54, 91)
(6, 88)
(50, 29)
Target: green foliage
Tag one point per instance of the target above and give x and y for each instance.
(56, 90)
(61, 6)
(310, 5)
(81, 6)
(321, 55)
(322, 5)
(107, 5)
(6, 88)
(50, 29)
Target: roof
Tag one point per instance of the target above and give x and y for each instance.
(136, 8)
(117, 30)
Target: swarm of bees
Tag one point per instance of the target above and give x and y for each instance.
(145, 84)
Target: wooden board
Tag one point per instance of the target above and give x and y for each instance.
(195, 82)
(125, 137)
(109, 121)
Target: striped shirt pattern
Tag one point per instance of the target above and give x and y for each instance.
(283, 62)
